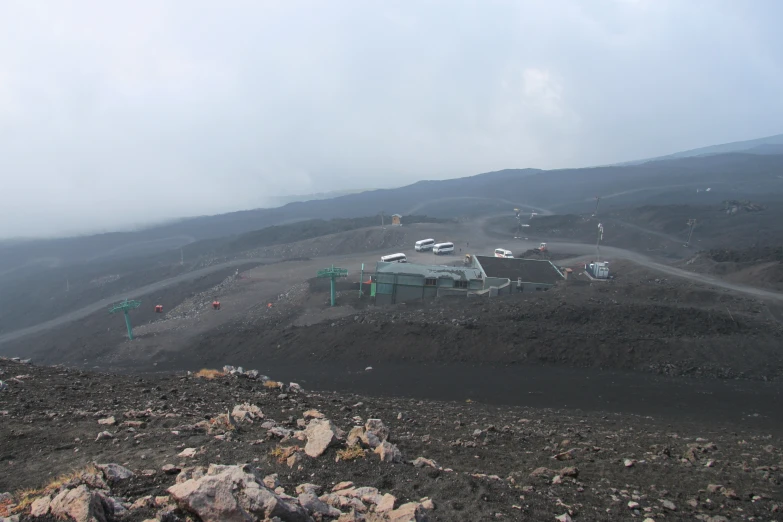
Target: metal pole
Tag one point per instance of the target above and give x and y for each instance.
(361, 282)
(332, 280)
(598, 248)
(692, 223)
(127, 323)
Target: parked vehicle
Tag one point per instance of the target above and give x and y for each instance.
(395, 258)
(424, 244)
(502, 252)
(443, 248)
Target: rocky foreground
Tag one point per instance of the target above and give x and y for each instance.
(235, 445)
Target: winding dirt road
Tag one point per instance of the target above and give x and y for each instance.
(472, 233)
(81, 313)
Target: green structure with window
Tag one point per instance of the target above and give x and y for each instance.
(403, 282)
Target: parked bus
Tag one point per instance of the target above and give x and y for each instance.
(424, 244)
(502, 252)
(443, 248)
(394, 258)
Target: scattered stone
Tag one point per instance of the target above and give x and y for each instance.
(316, 506)
(279, 432)
(633, 505)
(563, 518)
(388, 452)
(294, 459)
(247, 412)
(375, 433)
(355, 436)
(104, 435)
(386, 503)
(427, 504)
(40, 506)
(170, 469)
(271, 481)
(108, 421)
(313, 414)
(714, 488)
(570, 471)
(321, 434)
(421, 462)
(295, 388)
(114, 472)
(80, 504)
(668, 504)
(231, 493)
(730, 493)
(409, 512)
(308, 488)
(342, 485)
(187, 453)
(629, 463)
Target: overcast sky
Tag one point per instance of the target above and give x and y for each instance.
(115, 113)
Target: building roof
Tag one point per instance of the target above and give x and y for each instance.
(528, 270)
(458, 273)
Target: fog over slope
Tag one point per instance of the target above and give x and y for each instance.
(116, 115)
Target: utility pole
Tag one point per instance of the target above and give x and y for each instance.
(692, 225)
(597, 202)
(598, 242)
(181, 257)
(361, 282)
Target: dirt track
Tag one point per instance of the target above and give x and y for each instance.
(474, 233)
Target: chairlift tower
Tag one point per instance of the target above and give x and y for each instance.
(691, 225)
(332, 273)
(125, 307)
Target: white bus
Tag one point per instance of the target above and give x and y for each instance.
(443, 248)
(502, 252)
(424, 244)
(394, 258)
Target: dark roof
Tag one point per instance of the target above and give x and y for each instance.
(529, 270)
(428, 271)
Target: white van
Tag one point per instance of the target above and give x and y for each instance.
(443, 248)
(424, 244)
(395, 258)
(502, 252)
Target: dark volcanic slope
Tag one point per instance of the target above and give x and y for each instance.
(49, 422)
(629, 326)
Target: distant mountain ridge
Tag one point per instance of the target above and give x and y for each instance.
(766, 145)
(279, 201)
(731, 176)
